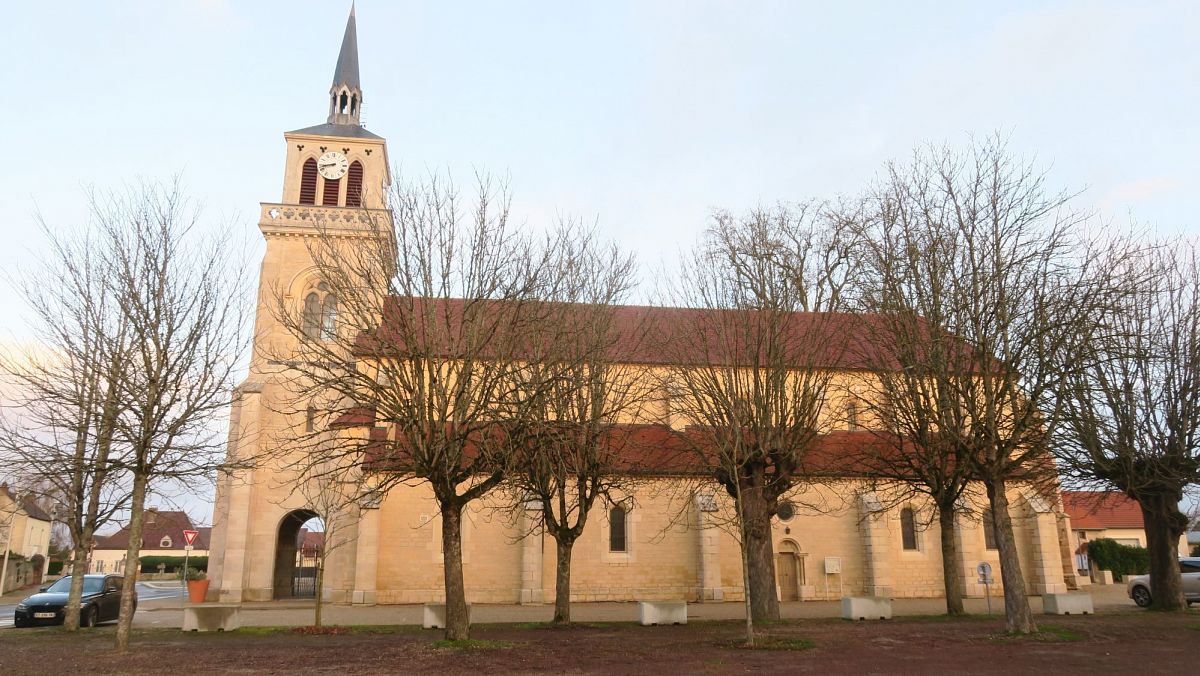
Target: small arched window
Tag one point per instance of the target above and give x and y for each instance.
(308, 182)
(908, 529)
(310, 418)
(165, 542)
(329, 313)
(616, 529)
(345, 101)
(852, 415)
(989, 530)
(311, 322)
(354, 181)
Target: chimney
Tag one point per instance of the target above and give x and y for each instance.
(151, 514)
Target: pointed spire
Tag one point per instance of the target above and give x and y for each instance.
(345, 104)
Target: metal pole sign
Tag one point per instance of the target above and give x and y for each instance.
(985, 578)
(189, 536)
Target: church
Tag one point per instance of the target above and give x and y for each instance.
(659, 545)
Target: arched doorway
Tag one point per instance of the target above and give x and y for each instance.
(789, 569)
(295, 557)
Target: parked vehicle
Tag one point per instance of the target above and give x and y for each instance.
(101, 602)
(1138, 586)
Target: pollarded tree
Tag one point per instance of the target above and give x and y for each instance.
(434, 302)
(753, 364)
(1133, 412)
(970, 248)
(575, 444)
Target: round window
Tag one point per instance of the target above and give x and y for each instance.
(786, 511)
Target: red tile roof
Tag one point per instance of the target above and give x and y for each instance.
(157, 524)
(1101, 509)
(653, 335)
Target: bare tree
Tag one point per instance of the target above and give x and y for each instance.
(753, 364)
(59, 431)
(432, 308)
(971, 250)
(1133, 412)
(178, 299)
(574, 447)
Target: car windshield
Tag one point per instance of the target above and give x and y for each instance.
(91, 585)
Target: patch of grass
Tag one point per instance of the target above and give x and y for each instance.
(1047, 633)
(769, 642)
(472, 644)
(1193, 627)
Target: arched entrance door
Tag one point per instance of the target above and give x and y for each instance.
(789, 570)
(294, 576)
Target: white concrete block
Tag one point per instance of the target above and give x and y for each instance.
(212, 616)
(1103, 576)
(1068, 604)
(662, 612)
(434, 615)
(866, 608)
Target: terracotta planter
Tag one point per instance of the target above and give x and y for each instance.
(197, 590)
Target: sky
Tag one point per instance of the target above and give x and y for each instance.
(641, 116)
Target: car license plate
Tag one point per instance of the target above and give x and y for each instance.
(43, 615)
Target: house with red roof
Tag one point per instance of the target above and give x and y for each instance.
(1106, 514)
(162, 535)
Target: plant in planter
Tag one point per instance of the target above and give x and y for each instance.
(197, 585)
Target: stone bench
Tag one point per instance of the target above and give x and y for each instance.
(866, 608)
(652, 613)
(433, 615)
(1068, 604)
(212, 616)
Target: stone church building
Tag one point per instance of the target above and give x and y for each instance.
(663, 544)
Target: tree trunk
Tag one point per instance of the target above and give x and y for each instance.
(458, 625)
(1162, 541)
(951, 576)
(78, 570)
(1018, 616)
(319, 581)
(562, 582)
(760, 558)
(137, 505)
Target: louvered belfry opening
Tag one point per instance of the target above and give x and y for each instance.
(329, 197)
(308, 182)
(354, 180)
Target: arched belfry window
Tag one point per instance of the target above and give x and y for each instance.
(345, 102)
(908, 529)
(308, 182)
(354, 181)
(329, 196)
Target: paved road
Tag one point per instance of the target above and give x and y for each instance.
(152, 591)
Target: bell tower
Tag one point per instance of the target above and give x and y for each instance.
(334, 185)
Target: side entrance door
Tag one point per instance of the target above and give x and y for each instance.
(785, 570)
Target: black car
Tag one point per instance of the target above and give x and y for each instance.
(101, 602)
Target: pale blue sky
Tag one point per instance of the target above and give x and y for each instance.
(642, 115)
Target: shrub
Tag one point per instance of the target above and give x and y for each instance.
(1122, 560)
(55, 567)
(1196, 550)
(193, 575)
(173, 564)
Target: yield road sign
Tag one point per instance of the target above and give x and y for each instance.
(189, 536)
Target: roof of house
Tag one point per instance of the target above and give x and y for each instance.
(157, 525)
(1102, 509)
(28, 505)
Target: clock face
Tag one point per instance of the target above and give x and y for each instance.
(333, 165)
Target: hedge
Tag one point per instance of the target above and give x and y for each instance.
(173, 563)
(1122, 560)
(55, 567)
